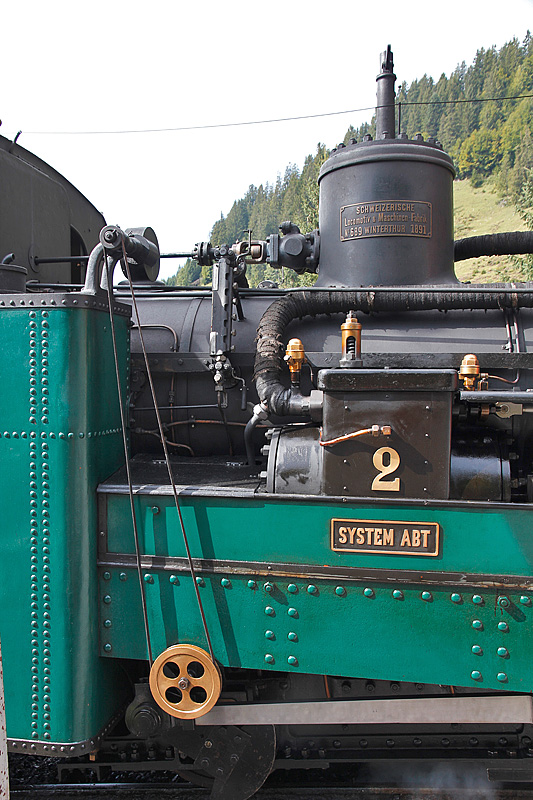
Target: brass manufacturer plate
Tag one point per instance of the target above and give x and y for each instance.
(385, 537)
(386, 218)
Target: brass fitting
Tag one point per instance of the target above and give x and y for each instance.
(351, 341)
(295, 358)
(470, 373)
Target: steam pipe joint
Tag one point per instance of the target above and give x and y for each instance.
(294, 249)
(141, 247)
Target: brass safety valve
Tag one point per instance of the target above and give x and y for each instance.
(351, 341)
(295, 358)
(470, 373)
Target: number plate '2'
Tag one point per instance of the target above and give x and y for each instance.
(382, 483)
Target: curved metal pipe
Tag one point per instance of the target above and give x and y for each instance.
(270, 349)
(96, 276)
(496, 244)
(260, 413)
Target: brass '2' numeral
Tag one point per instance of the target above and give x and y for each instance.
(381, 482)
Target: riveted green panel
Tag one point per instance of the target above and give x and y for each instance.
(488, 539)
(394, 627)
(59, 437)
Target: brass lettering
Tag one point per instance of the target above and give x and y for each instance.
(406, 541)
(380, 483)
(386, 219)
(383, 536)
(388, 536)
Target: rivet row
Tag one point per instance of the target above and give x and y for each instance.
(53, 435)
(477, 676)
(67, 301)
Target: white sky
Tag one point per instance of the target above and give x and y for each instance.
(116, 65)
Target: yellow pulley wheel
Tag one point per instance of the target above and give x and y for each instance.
(185, 682)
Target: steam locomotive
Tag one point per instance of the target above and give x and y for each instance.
(249, 528)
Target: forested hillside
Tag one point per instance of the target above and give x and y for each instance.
(490, 141)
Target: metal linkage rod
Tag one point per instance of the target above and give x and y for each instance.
(127, 460)
(165, 450)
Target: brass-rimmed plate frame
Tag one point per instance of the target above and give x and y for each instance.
(382, 549)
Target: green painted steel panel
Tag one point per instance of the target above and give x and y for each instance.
(336, 630)
(426, 638)
(477, 540)
(59, 437)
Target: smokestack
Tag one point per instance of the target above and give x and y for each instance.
(385, 114)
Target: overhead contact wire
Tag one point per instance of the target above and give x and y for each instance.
(165, 450)
(127, 462)
(245, 123)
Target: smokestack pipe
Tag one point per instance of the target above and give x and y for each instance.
(385, 111)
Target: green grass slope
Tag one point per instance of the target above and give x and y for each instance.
(478, 211)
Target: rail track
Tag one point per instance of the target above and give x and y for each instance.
(468, 783)
(37, 779)
(134, 791)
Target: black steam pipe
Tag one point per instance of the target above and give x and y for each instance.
(270, 348)
(260, 413)
(496, 244)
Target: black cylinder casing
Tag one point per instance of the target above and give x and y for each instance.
(386, 215)
(12, 279)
